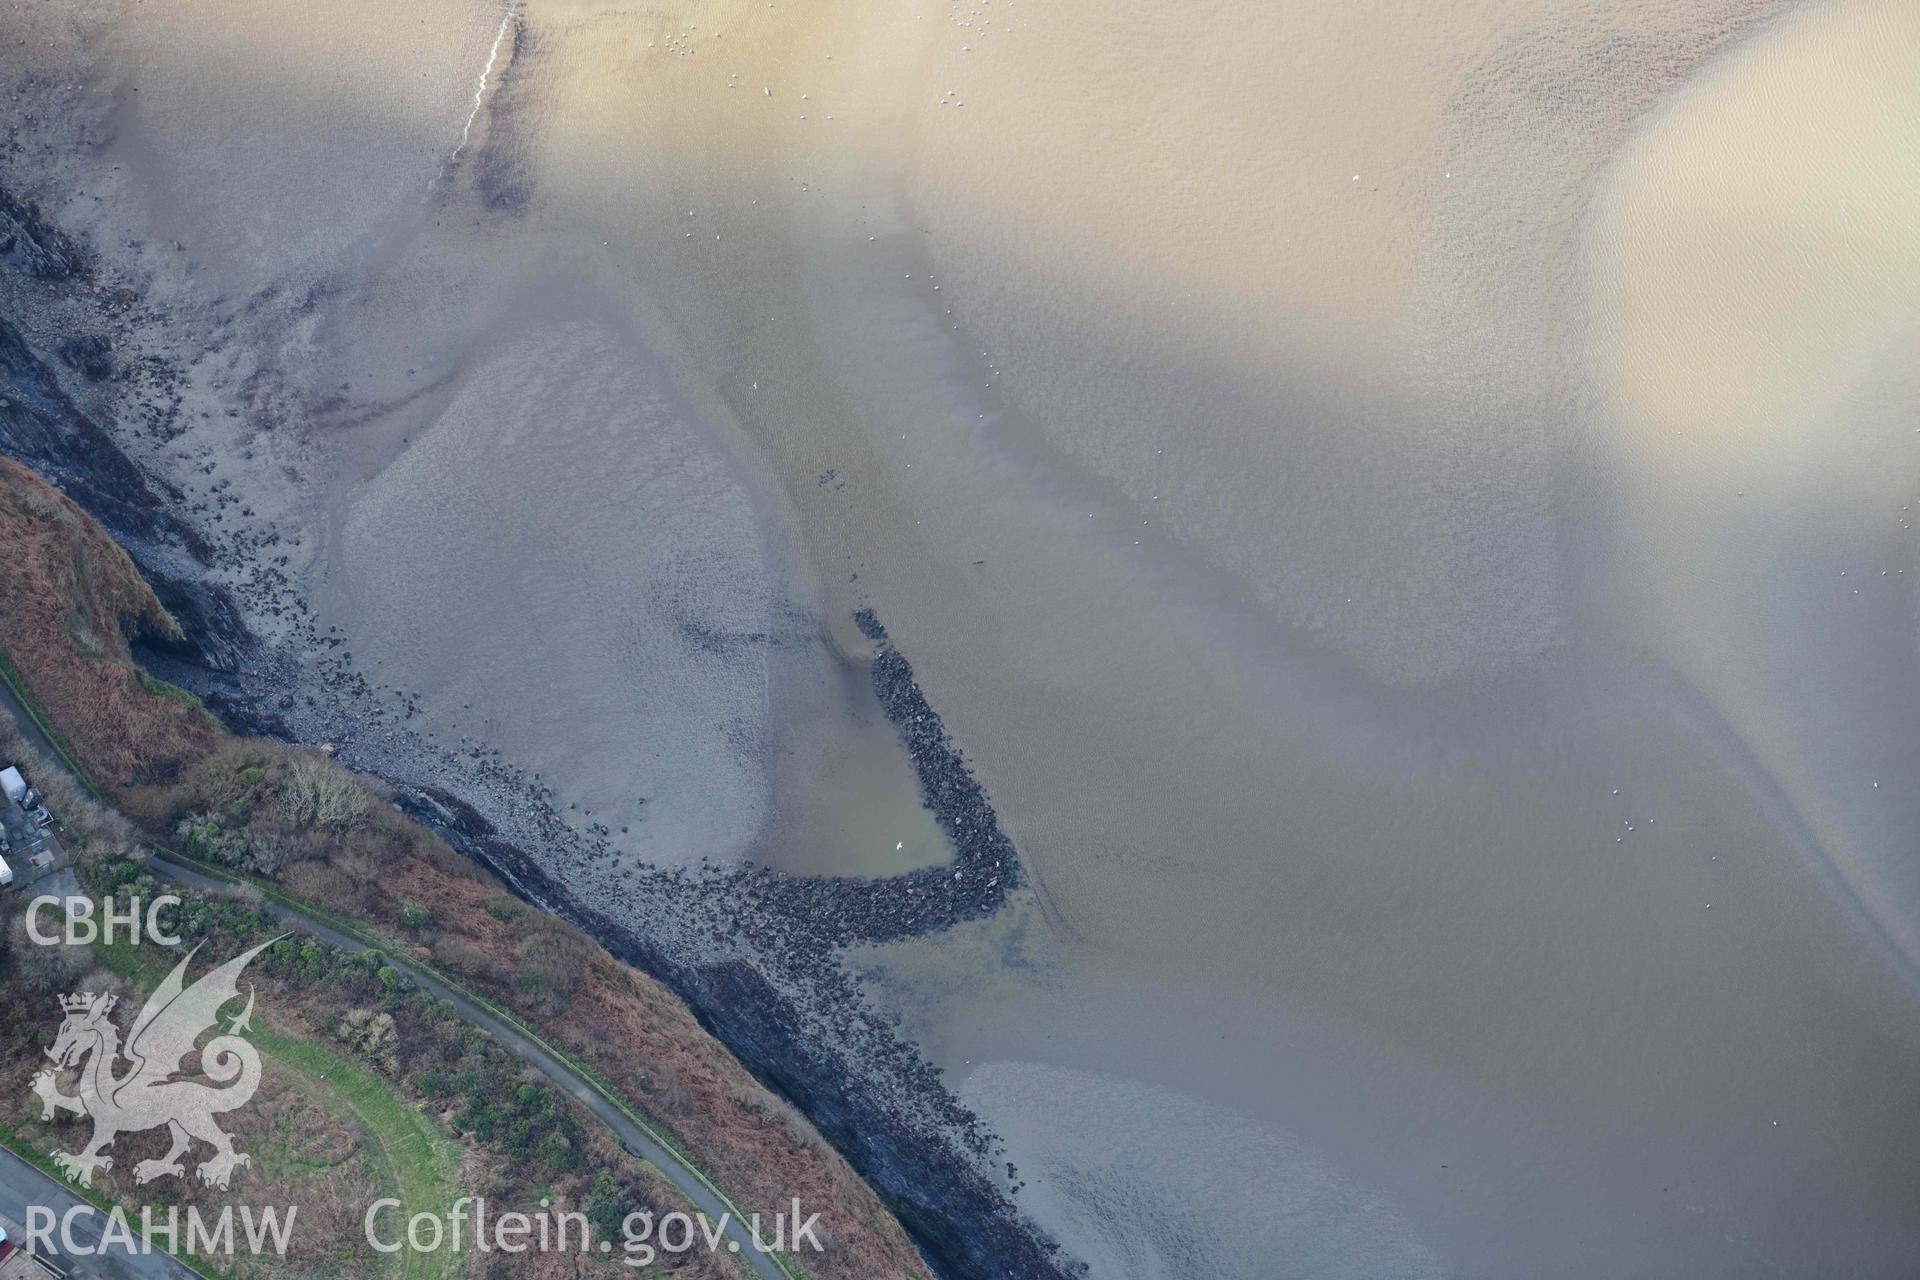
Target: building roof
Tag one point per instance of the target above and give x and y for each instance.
(19, 1265)
(15, 1262)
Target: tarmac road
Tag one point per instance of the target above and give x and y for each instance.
(22, 1186)
(636, 1139)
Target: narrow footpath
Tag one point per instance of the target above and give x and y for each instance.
(638, 1142)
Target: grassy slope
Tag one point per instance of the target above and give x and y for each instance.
(23, 1143)
(168, 761)
(68, 599)
(414, 1161)
(10, 676)
(425, 1163)
(284, 1172)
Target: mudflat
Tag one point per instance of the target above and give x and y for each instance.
(1403, 512)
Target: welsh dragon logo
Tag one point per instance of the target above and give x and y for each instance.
(147, 1094)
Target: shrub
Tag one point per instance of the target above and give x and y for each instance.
(42, 970)
(316, 792)
(371, 1035)
(607, 1207)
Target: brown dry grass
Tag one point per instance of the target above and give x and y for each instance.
(629, 1028)
(69, 597)
(305, 1152)
(646, 1041)
(648, 1192)
(331, 838)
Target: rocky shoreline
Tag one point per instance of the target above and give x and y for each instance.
(841, 911)
(963, 1218)
(41, 426)
(756, 953)
(964, 1222)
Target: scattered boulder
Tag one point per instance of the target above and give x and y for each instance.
(45, 249)
(90, 353)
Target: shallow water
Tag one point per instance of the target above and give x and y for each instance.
(1765, 228)
(1301, 451)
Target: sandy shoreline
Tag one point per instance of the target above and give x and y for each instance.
(807, 1028)
(1261, 438)
(753, 950)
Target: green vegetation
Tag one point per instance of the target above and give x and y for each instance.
(263, 813)
(402, 1042)
(162, 689)
(425, 1164)
(11, 1139)
(416, 1163)
(353, 1038)
(593, 1076)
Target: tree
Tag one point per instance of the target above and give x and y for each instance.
(43, 969)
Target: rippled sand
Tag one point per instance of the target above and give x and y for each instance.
(1755, 265)
(1366, 487)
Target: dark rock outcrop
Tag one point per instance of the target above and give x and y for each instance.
(966, 1224)
(90, 353)
(29, 239)
(42, 427)
(960, 1220)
